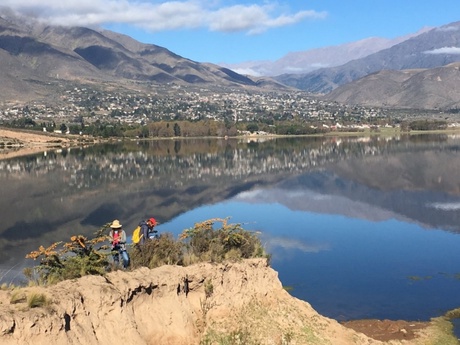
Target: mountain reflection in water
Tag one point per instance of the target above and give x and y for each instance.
(360, 227)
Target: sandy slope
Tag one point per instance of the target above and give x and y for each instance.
(231, 303)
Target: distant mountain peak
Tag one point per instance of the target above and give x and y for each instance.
(301, 62)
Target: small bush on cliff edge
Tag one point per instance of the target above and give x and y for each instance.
(74, 259)
(164, 250)
(229, 242)
(203, 242)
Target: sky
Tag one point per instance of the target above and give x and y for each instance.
(236, 31)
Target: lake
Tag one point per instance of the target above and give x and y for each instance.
(357, 227)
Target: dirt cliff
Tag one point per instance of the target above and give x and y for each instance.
(229, 303)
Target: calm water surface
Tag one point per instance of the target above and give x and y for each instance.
(359, 228)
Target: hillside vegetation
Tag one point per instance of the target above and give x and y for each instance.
(204, 242)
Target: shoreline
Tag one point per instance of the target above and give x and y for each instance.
(22, 142)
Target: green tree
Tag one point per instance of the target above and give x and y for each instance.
(144, 132)
(252, 127)
(177, 131)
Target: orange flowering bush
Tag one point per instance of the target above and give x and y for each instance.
(81, 256)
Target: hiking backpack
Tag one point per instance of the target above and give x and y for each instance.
(137, 235)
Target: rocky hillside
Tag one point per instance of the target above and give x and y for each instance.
(435, 88)
(37, 59)
(231, 303)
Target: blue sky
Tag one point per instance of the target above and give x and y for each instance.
(236, 31)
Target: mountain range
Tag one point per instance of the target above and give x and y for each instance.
(302, 62)
(37, 58)
(415, 71)
(434, 48)
(420, 72)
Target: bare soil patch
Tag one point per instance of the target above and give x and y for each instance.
(386, 330)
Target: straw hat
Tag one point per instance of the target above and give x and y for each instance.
(116, 224)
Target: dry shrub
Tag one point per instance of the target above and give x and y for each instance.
(230, 241)
(61, 261)
(190, 259)
(164, 250)
(233, 255)
(202, 243)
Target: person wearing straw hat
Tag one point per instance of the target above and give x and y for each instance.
(118, 240)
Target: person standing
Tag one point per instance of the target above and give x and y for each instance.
(118, 240)
(148, 229)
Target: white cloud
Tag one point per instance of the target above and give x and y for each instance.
(452, 206)
(247, 71)
(303, 69)
(161, 15)
(296, 244)
(444, 50)
(448, 28)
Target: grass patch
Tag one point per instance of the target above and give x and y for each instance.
(7, 286)
(36, 300)
(18, 297)
(442, 332)
(453, 314)
(237, 337)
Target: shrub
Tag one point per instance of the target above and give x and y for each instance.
(233, 255)
(164, 250)
(208, 288)
(199, 238)
(74, 259)
(230, 241)
(201, 243)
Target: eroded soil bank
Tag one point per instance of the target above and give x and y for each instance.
(246, 303)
